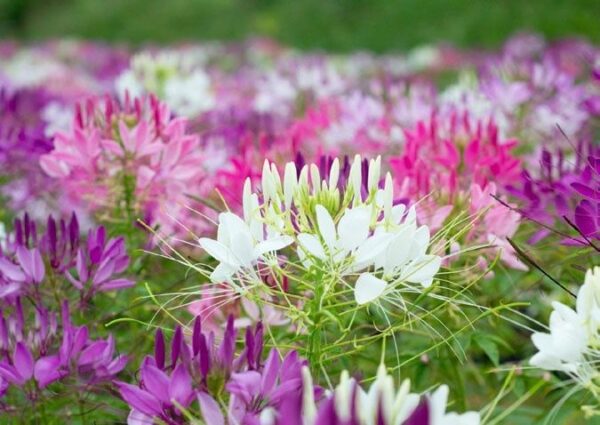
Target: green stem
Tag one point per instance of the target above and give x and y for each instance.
(316, 317)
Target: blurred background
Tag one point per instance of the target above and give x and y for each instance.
(334, 25)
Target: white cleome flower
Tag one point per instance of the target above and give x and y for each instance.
(438, 415)
(570, 346)
(381, 403)
(563, 348)
(237, 248)
(403, 258)
(588, 301)
(348, 244)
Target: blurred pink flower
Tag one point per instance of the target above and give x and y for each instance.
(133, 157)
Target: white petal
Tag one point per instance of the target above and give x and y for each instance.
(398, 212)
(368, 288)
(437, 404)
(229, 225)
(290, 183)
(242, 246)
(217, 250)
(311, 245)
(353, 228)
(272, 244)
(326, 226)
(399, 250)
(315, 178)
(223, 273)
(388, 197)
(423, 271)
(370, 250)
(334, 173)
(266, 181)
(355, 176)
(374, 173)
(247, 203)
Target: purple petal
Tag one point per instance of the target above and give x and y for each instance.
(176, 345)
(11, 271)
(23, 361)
(290, 387)
(211, 413)
(245, 385)
(10, 374)
(156, 382)
(82, 268)
(139, 399)
(204, 354)
(586, 191)
(227, 348)
(9, 289)
(117, 365)
(39, 271)
(585, 219)
(116, 284)
(420, 415)
(196, 335)
(136, 417)
(92, 353)
(47, 370)
(269, 375)
(180, 388)
(105, 271)
(159, 349)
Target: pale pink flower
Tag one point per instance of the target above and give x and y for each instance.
(133, 157)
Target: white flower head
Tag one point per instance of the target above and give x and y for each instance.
(237, 248)
(563, 348)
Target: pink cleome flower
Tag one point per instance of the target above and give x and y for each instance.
(456, 163)
(133, 157)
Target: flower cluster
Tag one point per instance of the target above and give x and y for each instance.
(461, 163)
(42, 357)
(133, 158)
(563, 195)
(370, 237)
(200, 377)
(571, 344)
(327, 220)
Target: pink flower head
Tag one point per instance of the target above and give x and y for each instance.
(447, 154)
(133, 157)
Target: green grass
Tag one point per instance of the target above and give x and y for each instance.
(377, 25)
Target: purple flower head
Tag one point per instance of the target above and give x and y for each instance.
(27, 257)
(159, 394)
(38, 352)
(99, 263)
(563, 194)
(199, 369)
(254, 392)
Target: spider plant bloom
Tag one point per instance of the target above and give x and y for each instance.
(570, 345)
(134, 158)
(381, 403)
(238, 248)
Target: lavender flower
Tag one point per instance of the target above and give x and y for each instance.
(39, 353)
(205, 372)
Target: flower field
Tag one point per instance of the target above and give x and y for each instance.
(242, 233)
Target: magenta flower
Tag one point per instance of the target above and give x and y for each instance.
(98, 264)
(161, 396)
(276, 384)
(27, 258)
(40, 358)
(197, 371)
(457, 162)
(563, 194)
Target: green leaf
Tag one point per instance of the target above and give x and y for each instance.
(489, 347)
